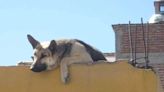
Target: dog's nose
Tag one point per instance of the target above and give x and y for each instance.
(39, 68)
(34, 69)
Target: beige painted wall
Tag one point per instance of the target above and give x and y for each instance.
(110, 77)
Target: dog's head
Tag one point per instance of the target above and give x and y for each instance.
(43, 58)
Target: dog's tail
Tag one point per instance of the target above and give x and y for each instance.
(94, 53)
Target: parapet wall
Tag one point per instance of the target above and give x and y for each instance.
(104, 77)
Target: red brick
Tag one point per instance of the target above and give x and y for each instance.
(156, 38)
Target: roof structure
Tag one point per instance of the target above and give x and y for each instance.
(157, 18)
(159, 0)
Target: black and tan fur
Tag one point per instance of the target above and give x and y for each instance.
(49, 55)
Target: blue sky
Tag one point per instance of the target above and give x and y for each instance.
(88, 20)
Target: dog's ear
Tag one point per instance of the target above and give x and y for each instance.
(33, 42)
(52, 46)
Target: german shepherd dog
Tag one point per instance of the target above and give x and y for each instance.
(49, 55)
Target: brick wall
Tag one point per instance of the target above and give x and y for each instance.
(156, 44)
(159, 68)
(155, 36)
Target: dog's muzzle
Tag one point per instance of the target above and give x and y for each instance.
(39, 67)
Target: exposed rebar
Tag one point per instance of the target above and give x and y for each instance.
(130, 44)
(135, 45)
(144, 44)
(147, 45)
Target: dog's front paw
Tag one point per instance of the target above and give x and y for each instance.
(65, 79)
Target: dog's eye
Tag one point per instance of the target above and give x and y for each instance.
(32, 57)
(34, 54)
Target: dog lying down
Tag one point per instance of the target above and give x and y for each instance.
(49, 55)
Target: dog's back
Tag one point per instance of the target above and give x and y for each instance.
(64, 47)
